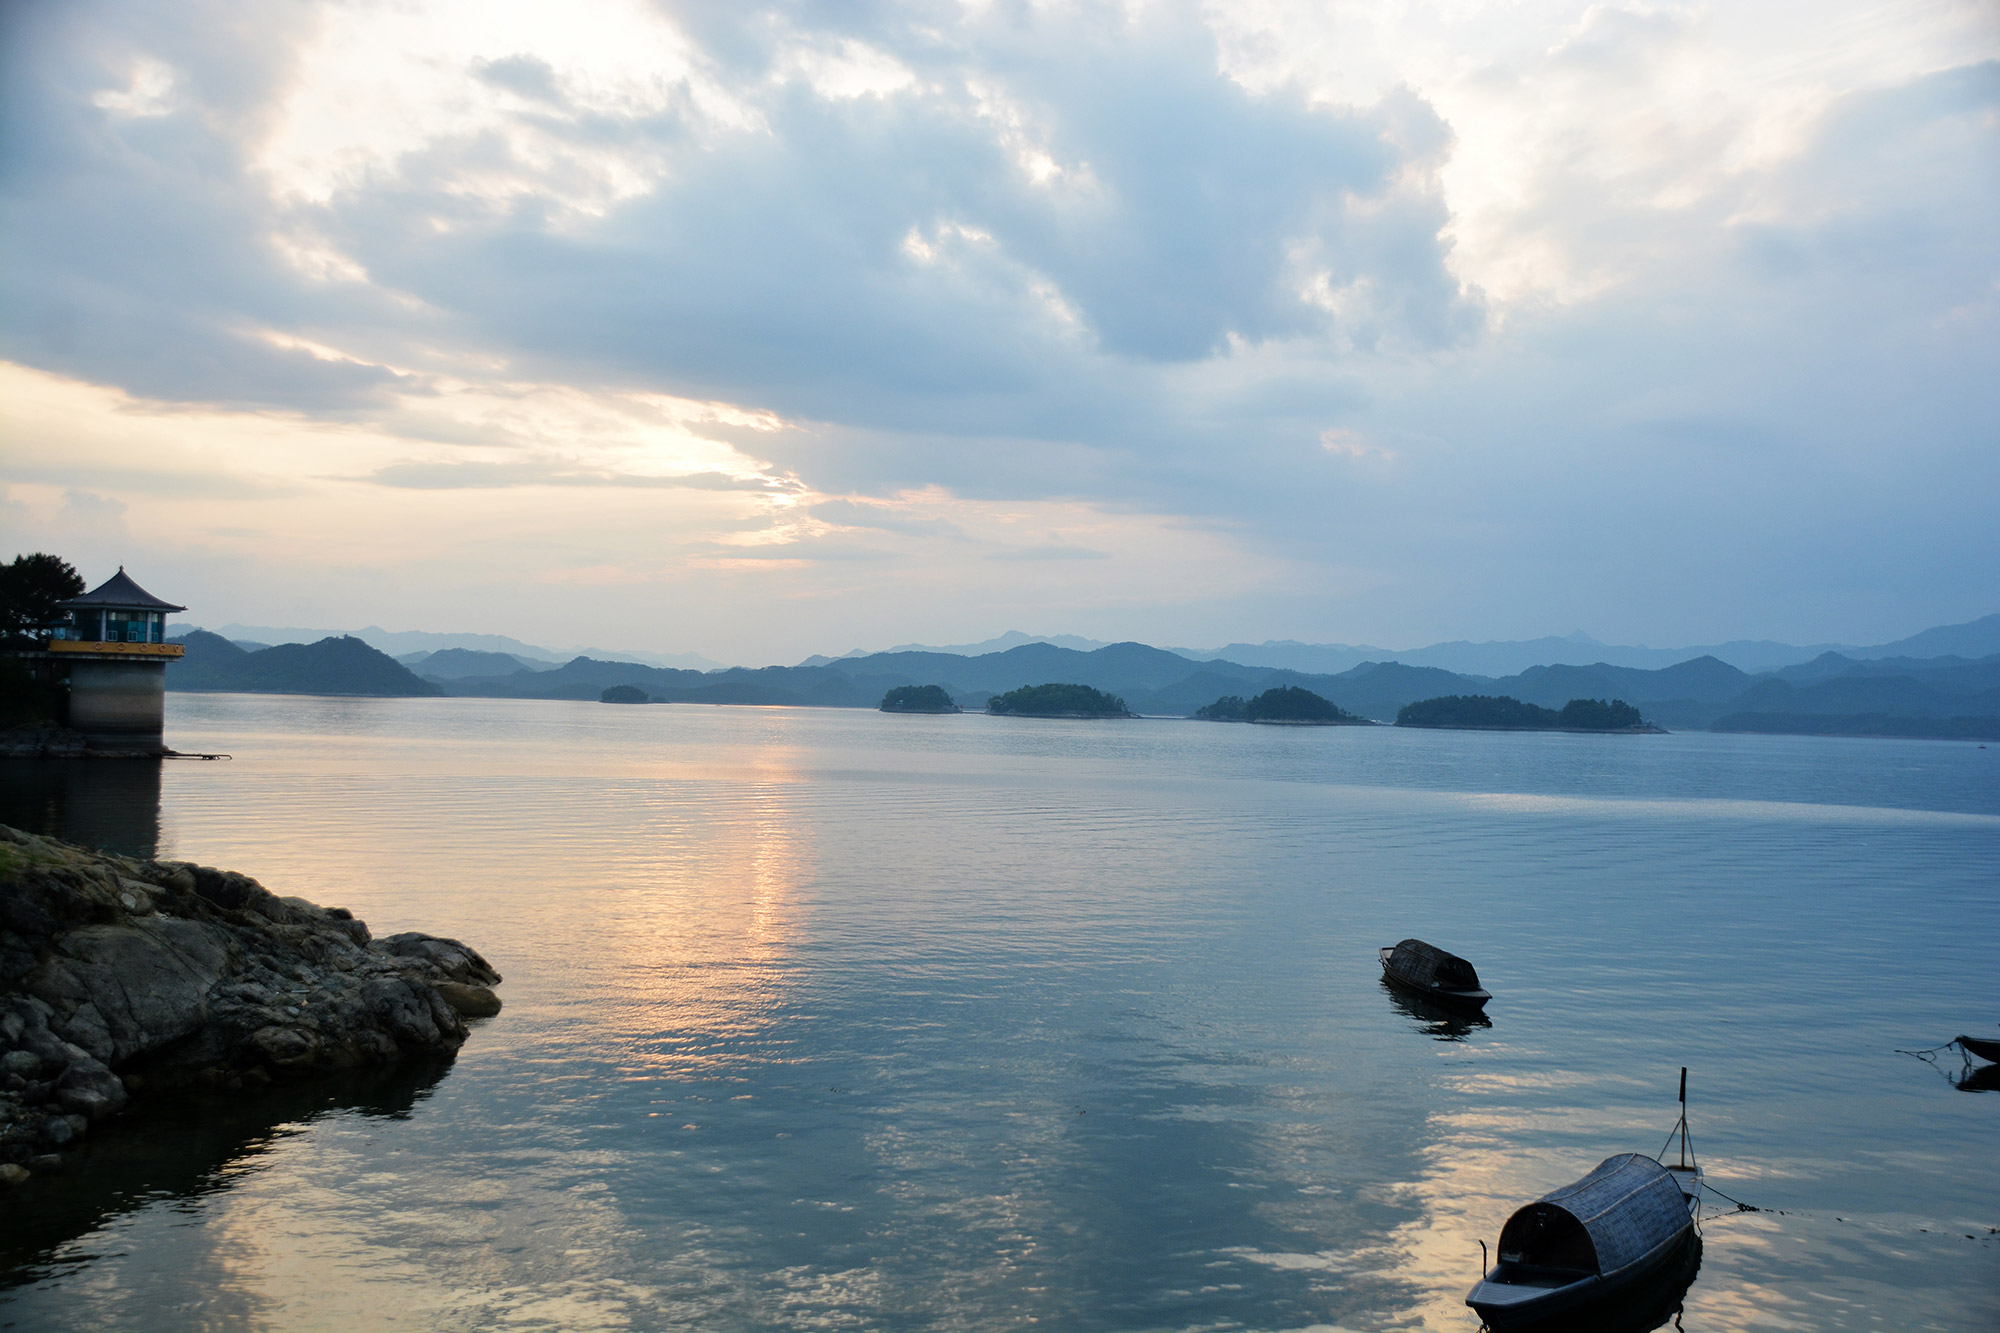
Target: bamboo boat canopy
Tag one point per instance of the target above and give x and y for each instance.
(1614, 1215)
(1424, 964)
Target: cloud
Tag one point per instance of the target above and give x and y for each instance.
(476, 476)
(1052, 553)
(1557, 314)
(885, 517)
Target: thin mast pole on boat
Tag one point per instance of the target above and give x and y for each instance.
(1684, 1116)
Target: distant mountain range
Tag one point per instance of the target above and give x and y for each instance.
(406, 644)
(458, 663)
(1977, 638)
(419, 649)
(1941, 695)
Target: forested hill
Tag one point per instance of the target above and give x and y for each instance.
(340, 665)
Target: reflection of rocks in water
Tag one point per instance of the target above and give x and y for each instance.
(191, 1144)
(1442, 1021)
(112, 805)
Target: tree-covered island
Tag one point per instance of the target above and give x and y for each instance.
(1482, 712)
(918, 699)
(1058, 701)
(1286, 705)
(624, 694)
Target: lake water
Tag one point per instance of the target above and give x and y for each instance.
(827, 1019)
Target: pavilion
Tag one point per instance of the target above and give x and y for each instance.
(115, 647)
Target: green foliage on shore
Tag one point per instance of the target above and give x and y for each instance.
(1597, 715)
(1504, 713)
(624, 694)
(918, 699)
(1058, 701)
(30, 587)
(1289, 703)
(28, 696)
(1283, 703)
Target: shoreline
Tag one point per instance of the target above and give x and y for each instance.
(1074, 717)
(1647, 730)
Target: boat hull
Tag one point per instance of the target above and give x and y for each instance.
(1984, 1047)
(1625, 1298)
(1638, 1296)
(1473, 1000)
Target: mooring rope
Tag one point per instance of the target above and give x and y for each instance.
(1929, 1053)
(1741, 1206)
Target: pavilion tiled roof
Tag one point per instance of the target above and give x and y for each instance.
(119, 593)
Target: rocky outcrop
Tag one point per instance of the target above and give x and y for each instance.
(41, 740)
(119, 975)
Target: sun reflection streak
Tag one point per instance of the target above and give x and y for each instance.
(714, 917)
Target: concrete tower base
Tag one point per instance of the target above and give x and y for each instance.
(120, 705)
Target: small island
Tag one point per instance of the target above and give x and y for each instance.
(1284, 706)
(624, 694)
(919, 699)
(1058, 701)
(1481, 712)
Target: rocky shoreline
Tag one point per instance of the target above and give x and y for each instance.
(41, 740)
(122, 978)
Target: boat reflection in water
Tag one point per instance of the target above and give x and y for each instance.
(193, 1144)
(112, 805)
(1444, 1022)
(1983, 1078)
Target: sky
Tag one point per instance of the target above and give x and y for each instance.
(760, 330)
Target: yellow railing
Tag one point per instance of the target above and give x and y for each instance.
(123, 649)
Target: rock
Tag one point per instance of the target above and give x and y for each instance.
(134, 984)
(448, 958)
(469, 1001)
(12, 1175)
(117, 973)
(41, 740)
(89, 1089)
(286, 1048)
(48, 1161)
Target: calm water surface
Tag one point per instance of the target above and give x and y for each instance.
(826, 1019)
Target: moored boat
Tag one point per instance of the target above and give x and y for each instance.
(1426, 970)
(1597, 1245)
(1623, 1226)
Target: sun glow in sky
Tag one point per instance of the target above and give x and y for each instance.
(761, 331)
